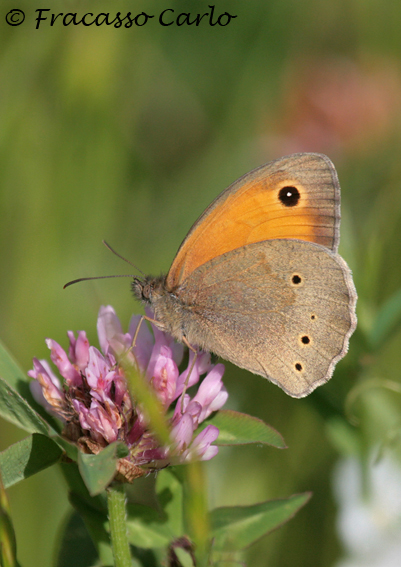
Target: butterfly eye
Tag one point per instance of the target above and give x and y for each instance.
(289, 196)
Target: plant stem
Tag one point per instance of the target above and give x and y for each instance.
(7, 536)
(197, 510)
(118, 526)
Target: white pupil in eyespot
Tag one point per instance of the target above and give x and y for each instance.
(289, 194)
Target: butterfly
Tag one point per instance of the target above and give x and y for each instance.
(258, 280)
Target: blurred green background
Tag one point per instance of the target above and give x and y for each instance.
(127, 135)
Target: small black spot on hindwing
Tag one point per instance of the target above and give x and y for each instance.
(296, 279)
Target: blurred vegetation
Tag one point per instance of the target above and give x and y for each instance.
(127, 135)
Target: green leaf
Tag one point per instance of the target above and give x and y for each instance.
(387, 320)
(27, 457)
(76, 547)
(93, 511)
(235, 528)
(77, 486)
(15, 377)
(15, 409)
(70, 449)
(122, 451)
(12, 373)
(150, 529)
(169, 492)
(147, 528)
(237, 428)
(95, 522)
(98, 470)
(184, 557)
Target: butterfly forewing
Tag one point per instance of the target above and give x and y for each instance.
(295, 197)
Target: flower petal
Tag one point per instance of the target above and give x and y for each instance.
(182, 433)
(60, 359)
(165, 376)
(202, 365)
(211, 394)
(47, 388)
(97, 370)
(109, 327)
(201, 447)
(143, 343)
(98, 421)
(79, 349)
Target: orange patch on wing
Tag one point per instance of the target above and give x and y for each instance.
(252, 214)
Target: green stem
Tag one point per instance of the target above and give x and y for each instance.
(197, 512)
(7, 535)
(118, 526)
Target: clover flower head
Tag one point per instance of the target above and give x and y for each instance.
(94, 402)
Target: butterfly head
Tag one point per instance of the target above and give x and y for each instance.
(165, 306)
(148, 289)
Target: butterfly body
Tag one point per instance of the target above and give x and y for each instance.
(282, 306)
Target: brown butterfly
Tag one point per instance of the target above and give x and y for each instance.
(258, 280)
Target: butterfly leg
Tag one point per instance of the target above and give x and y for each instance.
(141, 320)
(133, 343)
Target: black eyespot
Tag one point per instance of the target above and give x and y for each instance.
(296, 279)
(289, 196)
(298, 366)
(305, 339)
(313, 316)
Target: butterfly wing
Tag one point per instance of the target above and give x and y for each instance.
(284, 309)
(297, 196)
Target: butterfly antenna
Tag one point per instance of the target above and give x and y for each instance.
(122, 257)
(97, 278)
(104, 277)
